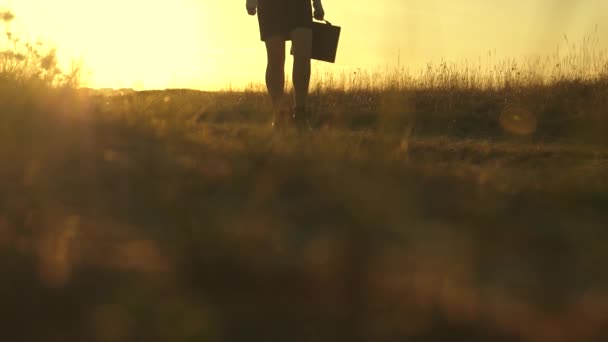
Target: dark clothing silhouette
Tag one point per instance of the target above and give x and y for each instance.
(281, 17)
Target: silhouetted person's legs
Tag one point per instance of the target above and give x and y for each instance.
(302, 45)
(275, 73)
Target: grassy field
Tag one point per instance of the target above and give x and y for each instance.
(424, 208)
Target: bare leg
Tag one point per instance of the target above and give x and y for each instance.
(275, 73)
(302, 45)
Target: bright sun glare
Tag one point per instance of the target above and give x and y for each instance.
(135, 43)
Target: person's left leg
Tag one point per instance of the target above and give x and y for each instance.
(302, 46)
(275, 76)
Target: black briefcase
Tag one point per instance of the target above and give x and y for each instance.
(325, 38)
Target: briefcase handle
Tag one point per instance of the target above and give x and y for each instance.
(327, 22)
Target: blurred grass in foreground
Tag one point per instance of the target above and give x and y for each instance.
(440, 210)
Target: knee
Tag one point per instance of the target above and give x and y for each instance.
(276, 61)
(302, 58)
(301, 54)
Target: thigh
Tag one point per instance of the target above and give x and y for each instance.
(301, 42)
(275, 49)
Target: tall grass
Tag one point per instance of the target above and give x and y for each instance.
(583, 61)
(561, 95)
(40, 108)
(24, 63)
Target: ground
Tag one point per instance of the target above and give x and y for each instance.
(418, 215)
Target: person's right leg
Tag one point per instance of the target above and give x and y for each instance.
(302, 46)
(275, 74)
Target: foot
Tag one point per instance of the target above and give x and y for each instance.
(280, 120)
(302, 119)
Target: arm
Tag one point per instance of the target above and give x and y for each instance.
(252, 6)
(319, 13)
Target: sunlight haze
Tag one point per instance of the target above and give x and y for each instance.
(210, 44)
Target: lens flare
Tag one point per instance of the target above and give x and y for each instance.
(518, 120)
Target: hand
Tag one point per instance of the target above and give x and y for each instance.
(251, 10)
(319, 14)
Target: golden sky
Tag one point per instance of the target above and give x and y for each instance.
(210, 44)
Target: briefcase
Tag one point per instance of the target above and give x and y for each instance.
(325, 38)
